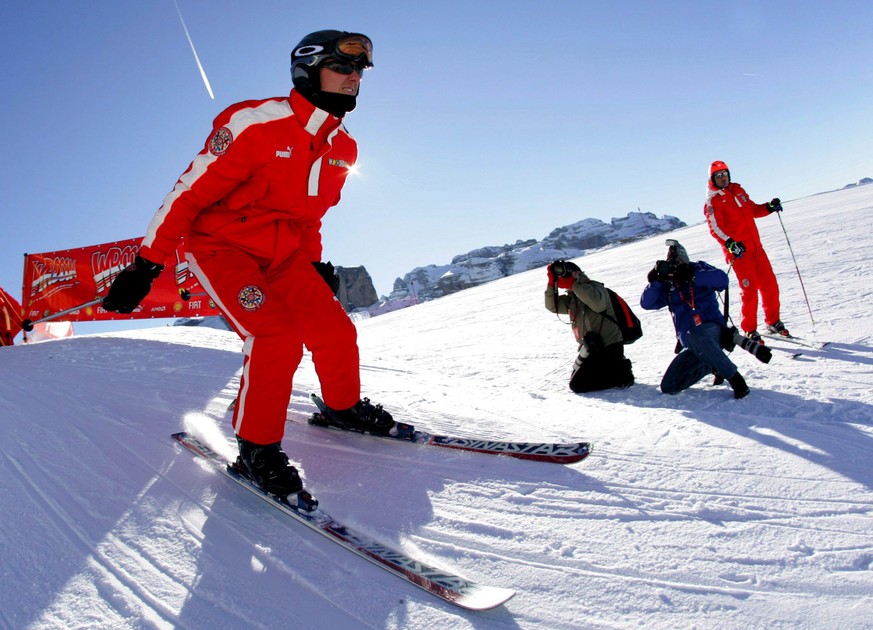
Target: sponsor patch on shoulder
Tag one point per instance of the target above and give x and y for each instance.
(220, 141)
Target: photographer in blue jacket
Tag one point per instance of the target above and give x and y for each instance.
(689, 291)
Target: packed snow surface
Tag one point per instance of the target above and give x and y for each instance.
(695, 510)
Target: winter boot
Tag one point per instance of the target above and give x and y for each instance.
(628, 375)
(268, 467)
(755, 336)
(778, 328)
(364, 416)
(718, 379)
(738, 383)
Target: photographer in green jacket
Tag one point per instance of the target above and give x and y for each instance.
(601, 363)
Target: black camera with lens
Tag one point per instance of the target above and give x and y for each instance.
(665, 269)
(563, 268)
(755, 348)
(672, 272)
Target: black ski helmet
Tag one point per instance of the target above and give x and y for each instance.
(319, 48)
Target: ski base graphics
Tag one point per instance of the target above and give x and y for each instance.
(534, 451)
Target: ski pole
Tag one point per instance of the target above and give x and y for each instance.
(799, 277)
(27, 324)
(186, 295)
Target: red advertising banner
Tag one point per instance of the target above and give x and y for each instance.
(63, 280)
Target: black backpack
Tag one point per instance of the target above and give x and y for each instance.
(628, 323)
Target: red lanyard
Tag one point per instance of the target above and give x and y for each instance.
(697, 320)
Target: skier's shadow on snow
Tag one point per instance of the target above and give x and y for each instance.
(824, 433)
(274, 571)
(849, 352)
(379, 488)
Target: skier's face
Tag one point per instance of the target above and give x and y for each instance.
(337, 83)
(721, 178)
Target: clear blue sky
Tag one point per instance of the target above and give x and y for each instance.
(482, 123)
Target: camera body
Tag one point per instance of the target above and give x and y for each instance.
(563, 268)
(666, 269)
(671, 272)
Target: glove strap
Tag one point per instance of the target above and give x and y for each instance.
(154, 269)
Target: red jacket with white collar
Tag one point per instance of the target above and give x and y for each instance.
(269, 172)
(731, 214)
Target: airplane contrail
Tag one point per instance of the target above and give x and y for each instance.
(196, 58)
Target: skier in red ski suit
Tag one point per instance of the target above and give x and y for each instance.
(731, 214)
(249, 208)
(10, 318)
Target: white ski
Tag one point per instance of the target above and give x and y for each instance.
(447, 586)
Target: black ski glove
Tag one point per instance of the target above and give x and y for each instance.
(331, 277)
(660, 272)
(774, 205)
(735, 248)
(131, 286)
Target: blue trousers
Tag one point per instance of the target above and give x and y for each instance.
(701, 355)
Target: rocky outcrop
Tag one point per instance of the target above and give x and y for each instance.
(356, 288)
(490, 263)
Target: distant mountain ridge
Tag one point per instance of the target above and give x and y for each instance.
(861, 182)
(493, 262)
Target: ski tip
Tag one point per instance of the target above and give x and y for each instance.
(479, 597)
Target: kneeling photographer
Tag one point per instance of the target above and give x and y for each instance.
(689, 291)
(601, 363)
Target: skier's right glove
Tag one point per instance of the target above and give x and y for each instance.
(552, 279)
(774, 205)
(734, 247)
(131, 286)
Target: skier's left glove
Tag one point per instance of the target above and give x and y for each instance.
(328, 272)
(774, 205)
(131, 286)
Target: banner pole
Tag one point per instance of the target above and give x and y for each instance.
(28, 324)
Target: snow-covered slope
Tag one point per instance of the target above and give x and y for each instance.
(695, 510)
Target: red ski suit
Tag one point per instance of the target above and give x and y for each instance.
(731, 214)
(10, 318)
(249, 208)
